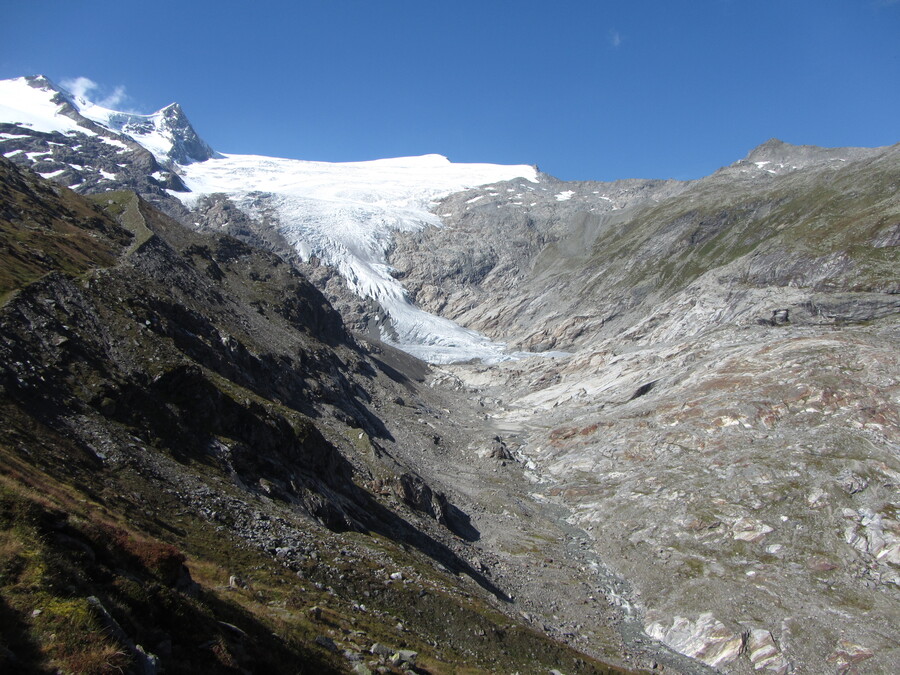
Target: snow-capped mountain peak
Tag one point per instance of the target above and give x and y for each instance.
(167, 133)
(38, 103)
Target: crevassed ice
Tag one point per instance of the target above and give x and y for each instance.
(344, 214)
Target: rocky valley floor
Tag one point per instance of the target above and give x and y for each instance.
(747, 494)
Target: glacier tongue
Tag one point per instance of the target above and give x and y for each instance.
(344, 214)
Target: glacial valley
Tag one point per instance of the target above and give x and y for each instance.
(417, 416)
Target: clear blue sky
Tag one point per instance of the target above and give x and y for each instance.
(584, 89)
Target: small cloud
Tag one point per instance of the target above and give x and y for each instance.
(615, 39)
(81, 87)
(117, 96)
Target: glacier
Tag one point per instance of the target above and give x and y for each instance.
(343, 213)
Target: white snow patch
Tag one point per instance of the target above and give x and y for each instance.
(7, 137)
(115, 142)
(565, 195)
(474, 199)
(52, 174)
(13, 153)
(34, 155)
(107, 175)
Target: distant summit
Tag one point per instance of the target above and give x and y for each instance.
(167, 133)
(40, 103)
(775, 157)
(785, 155)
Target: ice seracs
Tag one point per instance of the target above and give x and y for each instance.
(344, 214)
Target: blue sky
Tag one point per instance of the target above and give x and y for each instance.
(584, 89)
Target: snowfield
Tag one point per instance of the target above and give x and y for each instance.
(34, 108)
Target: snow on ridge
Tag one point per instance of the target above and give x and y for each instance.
(148, 130)
(345, 214)
(34, 108)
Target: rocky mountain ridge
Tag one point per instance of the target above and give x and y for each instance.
(89, 157)
(605, 257)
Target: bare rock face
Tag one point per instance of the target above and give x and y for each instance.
(726, 426)
(764, 653)
(115, 162)
(847, 654)
(706, 639)
(564, 265)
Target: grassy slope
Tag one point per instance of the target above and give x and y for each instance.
(792, 219)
